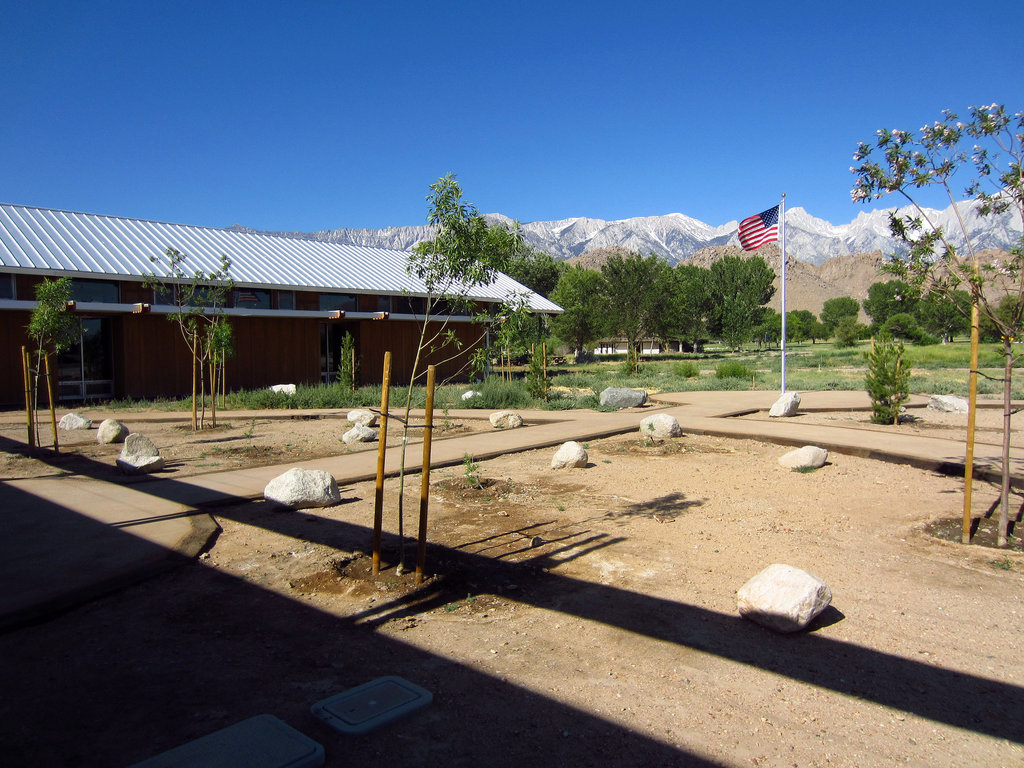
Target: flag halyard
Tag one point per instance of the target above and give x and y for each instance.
(759, 229)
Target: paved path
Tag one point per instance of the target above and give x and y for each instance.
(69, 539)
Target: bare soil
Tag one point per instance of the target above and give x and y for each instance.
(579, 617)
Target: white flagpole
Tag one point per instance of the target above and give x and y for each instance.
(782, 224)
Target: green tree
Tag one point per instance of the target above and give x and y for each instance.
(53, 330)
(800, 324)
(848, 331)
(990, 145)
(887, 380)
(199, 298)
(536, 270)
(945, 316)
(769, 331)
(463, 255)
(836, 309)
(579, 294)
(739, 288)
(640, 300)
(695, 303)
(887, 298)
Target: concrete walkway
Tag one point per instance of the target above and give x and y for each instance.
(69, 539)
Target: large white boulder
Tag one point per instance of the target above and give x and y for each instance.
(783, 598)
(301, 488)
(948, 404)
(787, 405)
(363, 417)
(505, 420)
(359, 434)
(469, 394)
(808, 457)
(623, 397)
(70, 421)
(660, 426)
(111, 431)
(570, 454)
(283, 389)
(139, 456)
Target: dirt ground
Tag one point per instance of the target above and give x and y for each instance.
(572, 618)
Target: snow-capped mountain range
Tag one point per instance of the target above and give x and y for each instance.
(678, 237)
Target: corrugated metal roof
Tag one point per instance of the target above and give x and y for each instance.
(86, 244)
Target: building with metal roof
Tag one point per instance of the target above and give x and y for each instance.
(293, 301)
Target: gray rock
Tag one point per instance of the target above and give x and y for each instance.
(783, 598)
(660, 426)
(284, 389)
(808, 457)
(303, 488)
(622, 397)
(139, 456)
(570, 454)
(505, 420)
(948, 404)
(111, 431)
(363, 417)
(787, 405)
(359, 434)
(70, 421)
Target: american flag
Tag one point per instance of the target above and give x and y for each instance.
(759, 229)
(247, 297)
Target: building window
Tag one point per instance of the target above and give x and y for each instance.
(286, 299)
(6, 286)
(377, 303)
(332, 301)
(410, 305)
(104, 291)
(251, 298)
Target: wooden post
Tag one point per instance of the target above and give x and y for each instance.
(544, 350)
(428, 429)
(223, 377)
(53, 413)
(29, 413)
(382, 440)
(972, 388)
(195, 342)
(353, 369)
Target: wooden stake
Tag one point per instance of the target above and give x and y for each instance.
(26, 368)
(428, 429)
(353, 369)
(972, 388)
(195, 341)
(382, 440)
(53, 413)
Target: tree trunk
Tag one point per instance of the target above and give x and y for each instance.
(1004, 495)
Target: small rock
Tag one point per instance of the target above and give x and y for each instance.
(945, 404)
(808, 457)
(284, 389)
(622, 397)
(139, 456)
(570, 454)
(783, 598)
(660, 426)
(70, 421)
(359, 434)
(111, 431)
(362, 417)
(302, 488)
(505, 420)
(787, 405)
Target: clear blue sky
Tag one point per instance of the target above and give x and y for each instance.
(317, 115)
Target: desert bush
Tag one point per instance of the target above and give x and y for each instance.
(731, 369)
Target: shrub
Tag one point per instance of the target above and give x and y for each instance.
(731, 369)
(686, 369)
(887, 380)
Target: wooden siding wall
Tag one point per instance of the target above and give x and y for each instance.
(12, 337)
(401, 338)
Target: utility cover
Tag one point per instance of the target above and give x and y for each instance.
(259, 742)
(371, 705)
